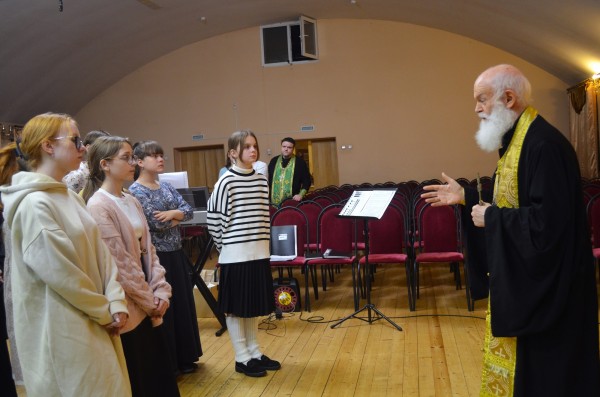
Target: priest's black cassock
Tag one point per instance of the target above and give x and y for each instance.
(541, 270)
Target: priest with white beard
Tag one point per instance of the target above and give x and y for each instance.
(529, 246)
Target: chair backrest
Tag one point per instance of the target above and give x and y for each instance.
(462, 181)
(272, 210)
(590, 189)
(311, 209)
(293, 216)
(593, 214)
(288, 202)
(388, 234)
(416, 205)
(323, 200)
(344, 194)
(333, 195)
(439, 229)
(334, 232)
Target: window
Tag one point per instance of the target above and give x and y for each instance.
(289, 42)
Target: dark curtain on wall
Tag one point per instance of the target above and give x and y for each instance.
(584, 132)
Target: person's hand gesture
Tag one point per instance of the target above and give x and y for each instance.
(167, 216)
(449, 194)
(161, 307)
(119, 321)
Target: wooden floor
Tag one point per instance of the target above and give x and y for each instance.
(438, 353)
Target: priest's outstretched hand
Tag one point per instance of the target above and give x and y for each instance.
(448, 194)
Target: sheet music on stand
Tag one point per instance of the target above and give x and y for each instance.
(368, 203)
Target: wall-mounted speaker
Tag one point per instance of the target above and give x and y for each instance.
(287, 294)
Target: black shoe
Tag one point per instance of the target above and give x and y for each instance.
(252, 368)
(188, 368)
(268, 364)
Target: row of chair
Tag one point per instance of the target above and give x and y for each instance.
(409, 233)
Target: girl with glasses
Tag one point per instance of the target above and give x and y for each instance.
(67, 305)
(124, 229)
(165, 209)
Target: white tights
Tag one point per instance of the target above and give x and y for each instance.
(242, 332)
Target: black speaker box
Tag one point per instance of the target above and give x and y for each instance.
(287, 294)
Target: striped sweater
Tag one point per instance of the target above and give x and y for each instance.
(238, 216)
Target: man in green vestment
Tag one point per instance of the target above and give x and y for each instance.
(288, 175)
(531, 245)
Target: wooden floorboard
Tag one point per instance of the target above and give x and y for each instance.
(437, 353)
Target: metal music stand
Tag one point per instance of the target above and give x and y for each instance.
(369, 307)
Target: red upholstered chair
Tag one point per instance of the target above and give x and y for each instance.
(272, 210)
(334, 233)
(323, 200)
(289, 202)
(294, 216)
(344, 194)
(311, 209)
(440, 241)
(593, 213)
(388, 241)
(590, 189)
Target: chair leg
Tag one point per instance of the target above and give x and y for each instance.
(457, 275)
(306, 291)
(416, 279)
(409, 286)
(331, 273)
(324, 277)
(313, 276)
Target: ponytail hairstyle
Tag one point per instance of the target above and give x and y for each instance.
(39, 129)
(103, 148)
(142, 149)
(11, 162)
(236, 142)
(8, 163)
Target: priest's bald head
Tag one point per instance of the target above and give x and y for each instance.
(501, 94)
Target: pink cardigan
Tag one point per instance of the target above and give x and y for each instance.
(119, 235)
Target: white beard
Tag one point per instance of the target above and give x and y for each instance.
(492, 127)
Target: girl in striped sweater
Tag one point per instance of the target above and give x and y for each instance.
(238, 220)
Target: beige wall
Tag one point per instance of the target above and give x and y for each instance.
(400, 94)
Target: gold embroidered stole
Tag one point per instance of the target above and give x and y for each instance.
(500, 354)
(282, 180)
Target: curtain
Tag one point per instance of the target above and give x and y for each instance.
(583, 120)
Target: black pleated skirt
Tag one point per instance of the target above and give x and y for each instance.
(148, 364)
(180, 322)
(246, 288)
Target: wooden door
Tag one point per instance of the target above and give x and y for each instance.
(201, 163)
(321, 157)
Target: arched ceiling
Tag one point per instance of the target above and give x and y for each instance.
(59, 61)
